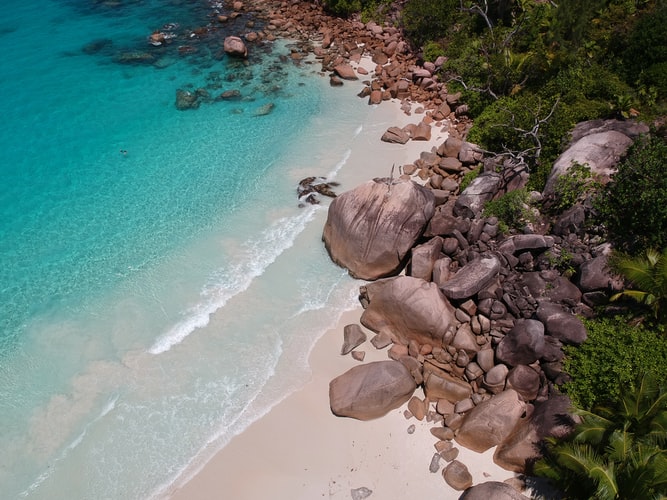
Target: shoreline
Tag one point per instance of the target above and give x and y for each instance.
(299, 449)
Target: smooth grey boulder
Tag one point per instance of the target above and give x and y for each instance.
(523, 344)
(521, 242)
(470, 202)
(472, 278)
(371, 390)
(371, 229)
(490, 422)
(561, 324)
(409, 308)
(601, 151)
(595, 274)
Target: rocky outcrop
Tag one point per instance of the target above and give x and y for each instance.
(472, 278)
(490, 422)
(409, 309)
(371, 229)
(599, 144)
(371, 390)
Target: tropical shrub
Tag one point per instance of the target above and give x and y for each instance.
(613, 354)
(647, 275)
(424, 20)
(617, 451)
(573, 186)
(633, 206)
(511, 209)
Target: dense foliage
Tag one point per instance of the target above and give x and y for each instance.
(618, 449)
(634, 204)
(531, 70)
(647, 277)
(613, 354)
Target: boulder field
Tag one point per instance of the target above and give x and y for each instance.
(476, 316)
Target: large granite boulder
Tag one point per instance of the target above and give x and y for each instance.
(490, 422)
(235, 47)
(409, 309)
(472, 278)
(492, 490)
(523, 344)
(371, 229)
(550, 418)
(371, 390)
(600, 145)
(595, 274)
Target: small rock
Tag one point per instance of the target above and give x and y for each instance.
(435, 463)
(360, 493)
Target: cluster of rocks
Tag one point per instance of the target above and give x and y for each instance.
(338, 44)
(475, 317)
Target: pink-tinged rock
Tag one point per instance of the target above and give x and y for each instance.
(457, 476)
(375, 97)
(411, 308)
(395, 135)
(490, 422)
(422, 132)
(370, 391)
(371, 229)
(234, 46)
(439, 385)
(345, 71)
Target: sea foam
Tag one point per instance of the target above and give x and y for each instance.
(257, 254)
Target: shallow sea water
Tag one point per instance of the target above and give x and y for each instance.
(154, 303)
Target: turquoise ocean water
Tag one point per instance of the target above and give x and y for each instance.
(154, 303)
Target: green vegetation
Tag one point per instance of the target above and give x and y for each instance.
(648, 276)
(531, 70)
(618, 450)
(511, 209)
(468, 177)
(573, 186)
(634, 205)
(613, 354)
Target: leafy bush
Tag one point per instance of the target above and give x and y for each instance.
(634, 205)
(424, 20)
(647, 44)
(468, 177)
(511, 209)
(613, 354)
(573, 186)
(432, 51)
(344, 8)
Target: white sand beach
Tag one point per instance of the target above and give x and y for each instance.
(300, 450)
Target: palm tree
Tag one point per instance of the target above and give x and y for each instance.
(648, 274)
(616, 452)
